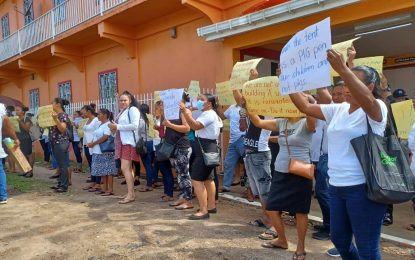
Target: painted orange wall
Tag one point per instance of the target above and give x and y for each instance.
(7, 7)
(28, 84)
(67, 72)
(11, 90)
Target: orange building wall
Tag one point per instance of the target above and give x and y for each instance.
(11, 90)
(8, 8)
(28, 84)
(67, 72)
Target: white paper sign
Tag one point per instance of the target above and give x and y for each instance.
(171, 99)
(304, 64)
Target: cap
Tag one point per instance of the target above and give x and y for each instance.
(399, 93)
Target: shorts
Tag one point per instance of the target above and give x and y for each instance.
(258, 169)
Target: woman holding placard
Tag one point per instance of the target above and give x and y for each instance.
(352, 214)
(58, 136)
(207, 129)
(126, 128)
(24, 136)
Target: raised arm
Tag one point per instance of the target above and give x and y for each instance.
(183, 128)
(351, 54)
(193, 124)
(270, 124)
(324, 96)
(302, 102)
(360, 92)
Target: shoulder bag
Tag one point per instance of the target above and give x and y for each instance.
(108, 146)
(211, 159)
(297, 167)
(164, 150)
(389, 179)
(140, 146)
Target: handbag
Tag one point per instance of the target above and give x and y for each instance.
(297, 167)
(211, 159)
(389, 179)
(140, 146)
(164, 151)
(108, 146)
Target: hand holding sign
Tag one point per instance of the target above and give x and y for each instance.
(45, 116)
(336, 61)
(171, 99)
(242, 72)
(194, 89)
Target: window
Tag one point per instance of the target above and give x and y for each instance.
(34, 99)
(28, 11)
(65, 90)
(5, 27)
(60, 10)
(108, 85)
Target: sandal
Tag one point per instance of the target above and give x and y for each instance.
(269, 234)
(411, 227)
(126, 201)
(166, 198)
(106, 194)
(145, 189)
(177, 203)
(273, 246)
(184, 206)
(94, 190)
(100, 192)
(256, 223)
(299, 256)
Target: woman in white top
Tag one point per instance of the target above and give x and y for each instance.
(88, 111)
(411, 144)
(207, 127)
(103, 162)
(352, 214)
(76, 139)
(126, 128)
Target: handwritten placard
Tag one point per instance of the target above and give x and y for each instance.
(194, 89)
(241, 72)
(303, 60)
(151, 131)
(81, 125)
(342, 47)
(404, 115)
(375, 62)
(156, 96)
(14, 120)
(171, 99)
(45, 116)
(263, 98)
(225, 94)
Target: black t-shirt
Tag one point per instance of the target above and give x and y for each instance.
(181, 140)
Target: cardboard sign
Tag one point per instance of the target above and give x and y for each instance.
(17, 155)
(45, 116)
(241, 72)
(194, 89)
(156, 96)
(303, 60)
(81, 125)
(374, 62)
(225, 94)
(263, 98)
(404, 115)
(151, 131)
(342, 47)
(14, 120)
(171, 99)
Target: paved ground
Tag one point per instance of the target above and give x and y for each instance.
(80, 225)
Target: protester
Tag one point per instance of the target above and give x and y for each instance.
(88, 111)
(148, 157)
(103, 163)
(44, 142)
(400, 95)
(24, 137)
(176, 134)
(126, 129)
(6, 130)
(163, 166)
(352, 213)
(76, 141)
(207, 128)
(59, 138)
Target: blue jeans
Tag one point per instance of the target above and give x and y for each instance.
(77, 152)
(147, 160)
(62, 157)
(54, 162)
(3, 183)
(46, 150)
(165, 169)
(236, 150)
(322, 189)
(354, 215)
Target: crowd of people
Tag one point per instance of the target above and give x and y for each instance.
(184, 153)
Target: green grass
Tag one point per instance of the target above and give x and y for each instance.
(22, 184)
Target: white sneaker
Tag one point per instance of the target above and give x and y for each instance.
(333, 252)
(3, 201)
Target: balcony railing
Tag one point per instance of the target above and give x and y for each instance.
(53, 23)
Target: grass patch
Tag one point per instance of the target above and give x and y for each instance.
(22, 184)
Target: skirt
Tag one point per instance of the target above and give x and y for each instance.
(125, 151)
(200, 172)
(290, 193)
(103, 165)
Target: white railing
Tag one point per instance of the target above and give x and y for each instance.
(58, 20)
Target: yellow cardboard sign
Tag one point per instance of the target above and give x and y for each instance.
(263, 98)
(45, 116)
(151, 131)
(81, 125)
(375, 62)
(241, 72)
(156, 96)
(225, 94)
(14, 120)
(342, 47)
(194, 89)
(226, 125)
(404, 115)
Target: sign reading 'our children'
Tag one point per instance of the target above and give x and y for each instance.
(304, 64)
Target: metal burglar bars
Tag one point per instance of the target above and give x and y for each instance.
(60, 19)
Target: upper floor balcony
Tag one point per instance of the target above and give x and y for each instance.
(55, 22)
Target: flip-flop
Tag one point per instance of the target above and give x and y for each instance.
(297, 255)
(183, 208)
(273, 246)
(145, 189)
(165, 198)
(175, 203)
(126, 201)
(256, 223)
(106, 194)
(269, 234)
(411, 227)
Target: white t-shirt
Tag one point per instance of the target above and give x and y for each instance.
(319, 141)
(76, 121)
(344, 167)
(98, 133)
(232, 113)
(411, 144)
(212, 124)
(89, 130)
